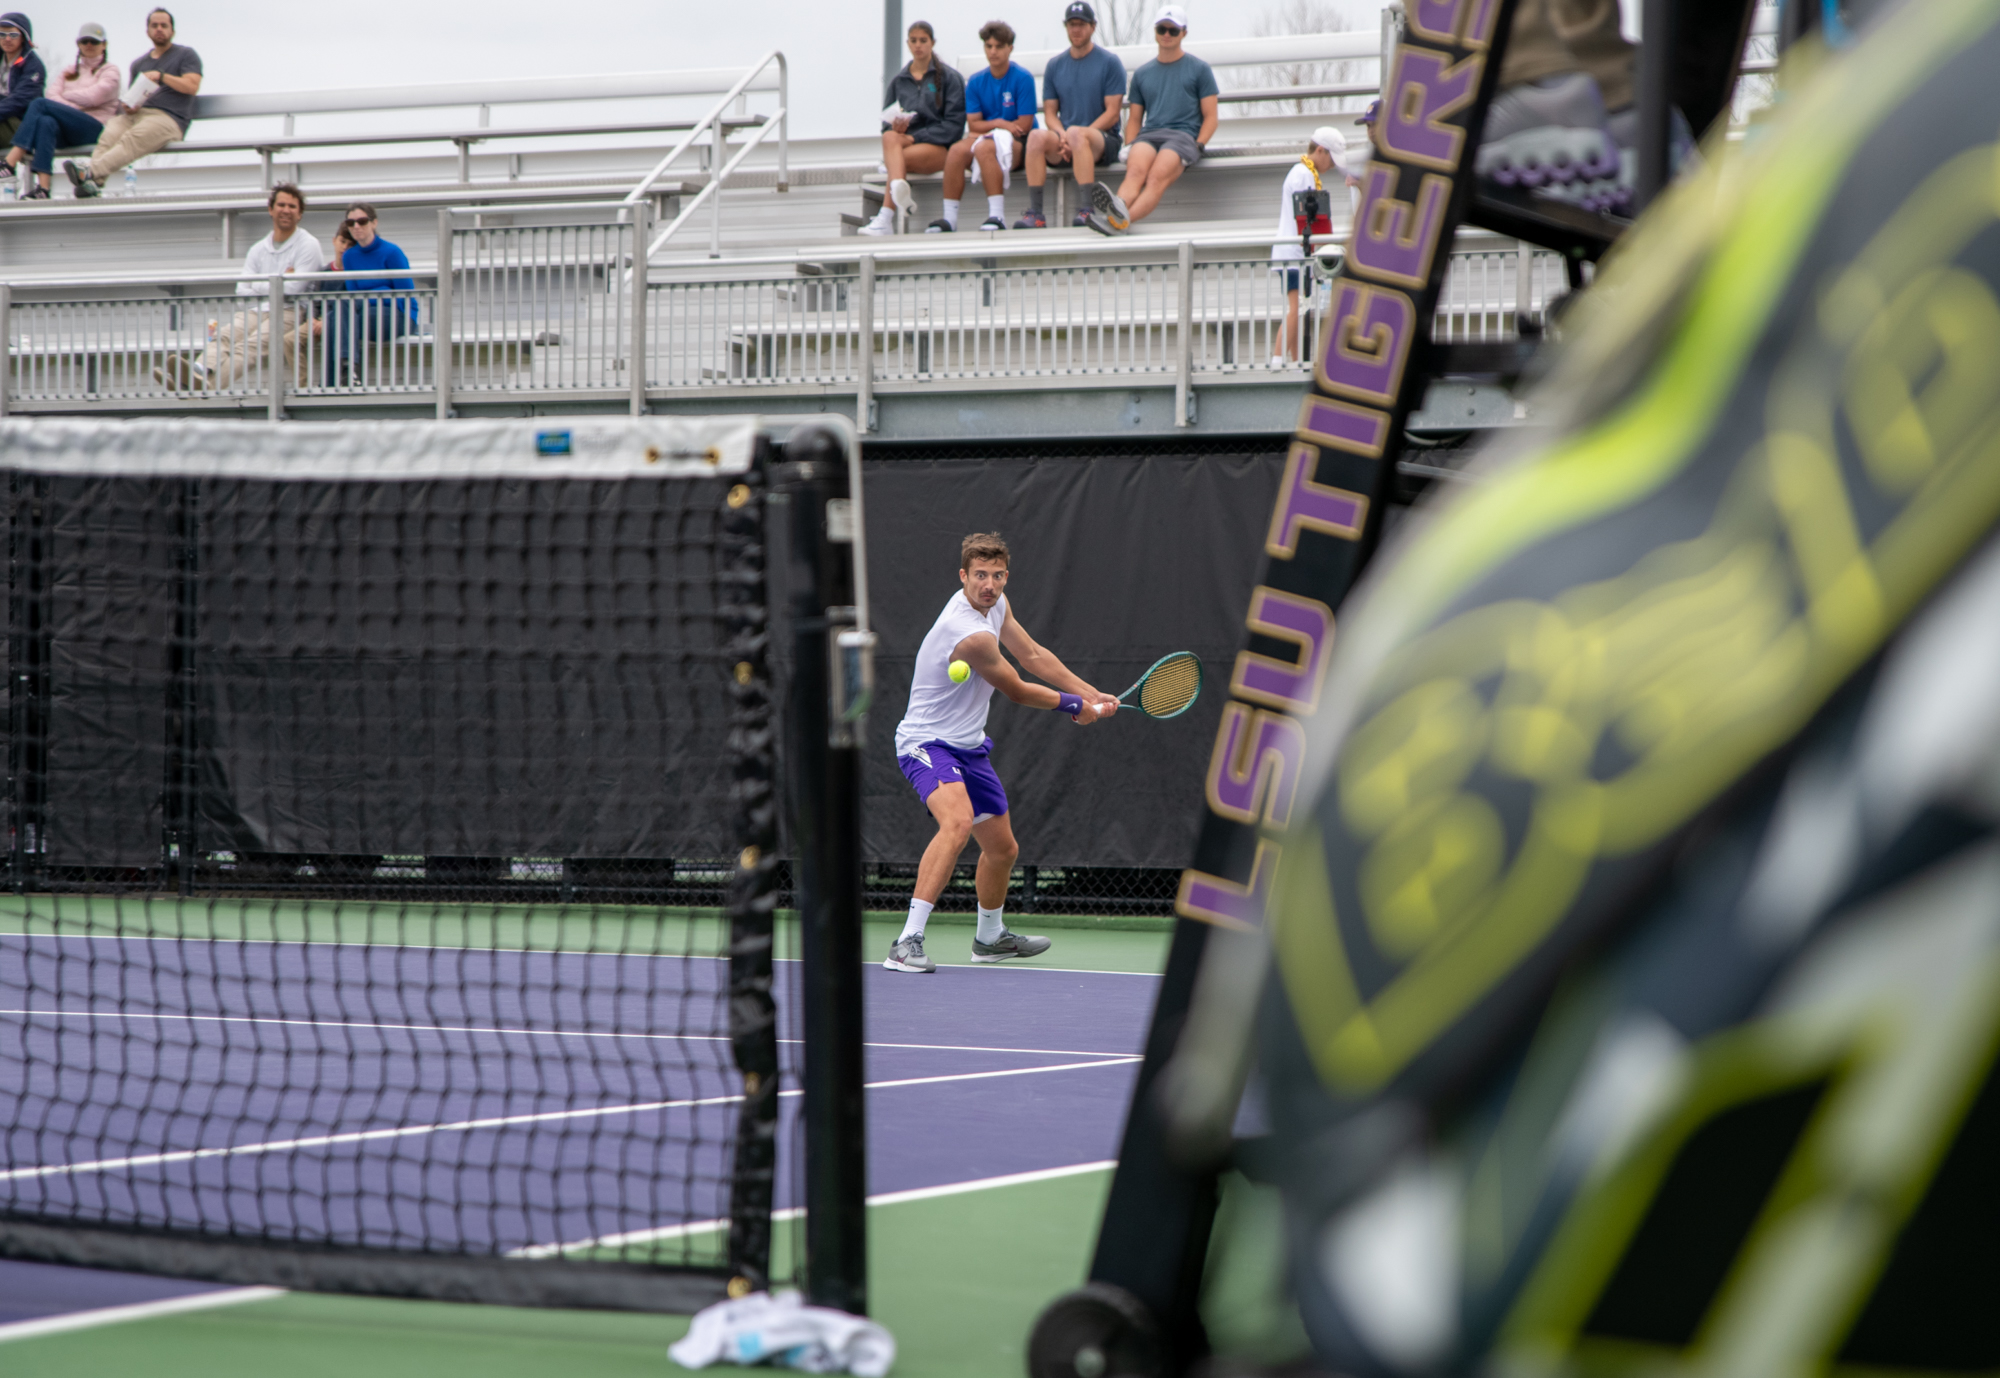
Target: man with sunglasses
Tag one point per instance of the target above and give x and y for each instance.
(1173, 105)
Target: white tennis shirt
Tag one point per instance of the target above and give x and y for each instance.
(939, 710)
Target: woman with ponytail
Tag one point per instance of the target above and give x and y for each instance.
(80, 98)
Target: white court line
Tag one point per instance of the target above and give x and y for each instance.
(139, 1311)
(355, 1136)
(889, 1198)
(530, 1033)
(543, 951)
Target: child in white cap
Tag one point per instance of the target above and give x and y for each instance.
(1324, 164)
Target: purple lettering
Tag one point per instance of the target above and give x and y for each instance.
(1454, 22)
(1436, 20)
(1428, 90)
(1368, 339)
(1307, 506)
(1215, 900)
(1343, 426)
(1255, 764)
(1291, 685)
(1394, 240)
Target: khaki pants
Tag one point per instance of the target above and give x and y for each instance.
(129, 137)
(1555, 36)
(243, 344)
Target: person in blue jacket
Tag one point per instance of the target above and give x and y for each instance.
(23, 77)
(353, 322)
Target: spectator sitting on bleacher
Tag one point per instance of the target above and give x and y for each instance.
(923, 116)
(1081, 92)
(247, 335)
(999, 112)
(358, 248)
(23, 76)
(73, 111)
(164, 110)
(1173, 111)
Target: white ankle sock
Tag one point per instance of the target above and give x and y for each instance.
(951, 213)
(996, 206)
(920, 914)
(990, 925)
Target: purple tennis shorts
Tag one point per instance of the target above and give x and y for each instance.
(934, 764)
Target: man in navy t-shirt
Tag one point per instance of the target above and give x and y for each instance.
(999, 112)
(1171, 117)
(1082, 90)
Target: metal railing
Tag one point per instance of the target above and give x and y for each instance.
(550, 312)
(712, 125)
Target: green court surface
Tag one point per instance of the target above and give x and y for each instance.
(958, 1275)
(1116, 943)
(957, 1279)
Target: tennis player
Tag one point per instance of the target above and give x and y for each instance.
(945, 753)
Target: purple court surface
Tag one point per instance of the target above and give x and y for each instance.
(259, 1082)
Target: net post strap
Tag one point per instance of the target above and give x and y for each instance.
(753, 884)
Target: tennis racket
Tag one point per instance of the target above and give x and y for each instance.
(1167, 690)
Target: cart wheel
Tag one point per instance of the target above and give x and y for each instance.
(1097, 1331)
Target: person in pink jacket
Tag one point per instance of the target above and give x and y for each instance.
(80, 98)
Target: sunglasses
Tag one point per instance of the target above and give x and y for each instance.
(1167, 31)
(365, 220)
(92, 42)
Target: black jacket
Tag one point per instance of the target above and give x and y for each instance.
(26, 77)
(937, 103)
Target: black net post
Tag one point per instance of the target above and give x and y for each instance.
(826, 806)
(753, 885)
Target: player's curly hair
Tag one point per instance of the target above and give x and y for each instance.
(983, 545)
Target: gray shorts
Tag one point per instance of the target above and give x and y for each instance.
(1112, 140)
(1180, 144)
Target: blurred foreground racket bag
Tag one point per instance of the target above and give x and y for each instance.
(1632, 984)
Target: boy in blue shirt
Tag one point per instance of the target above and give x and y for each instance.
(999, 112)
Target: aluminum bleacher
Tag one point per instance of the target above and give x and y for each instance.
(748, 289)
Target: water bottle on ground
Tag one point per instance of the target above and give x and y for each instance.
(131, 180)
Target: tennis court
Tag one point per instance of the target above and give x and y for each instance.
(974, 1074)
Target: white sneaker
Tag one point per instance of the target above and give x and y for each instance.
(906, 204)
(878, 229)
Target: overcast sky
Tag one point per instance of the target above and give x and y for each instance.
(834, 50)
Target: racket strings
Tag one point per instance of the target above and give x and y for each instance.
(1170, 687)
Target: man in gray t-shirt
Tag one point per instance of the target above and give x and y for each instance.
(172, 75)
(1082, 89)
(1172, 114)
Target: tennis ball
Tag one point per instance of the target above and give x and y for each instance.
(959, 671)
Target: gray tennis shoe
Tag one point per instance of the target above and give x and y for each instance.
(908, 955)
(1008, 945)
(1111, 206)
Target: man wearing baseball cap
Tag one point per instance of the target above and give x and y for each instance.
(1082, 90)
(1324, 164)
(1172, 117)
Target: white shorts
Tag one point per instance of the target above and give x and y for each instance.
(1003, 148)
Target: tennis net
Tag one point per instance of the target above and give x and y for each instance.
(351, 772)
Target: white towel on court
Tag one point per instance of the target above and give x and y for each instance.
(782, 1330)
